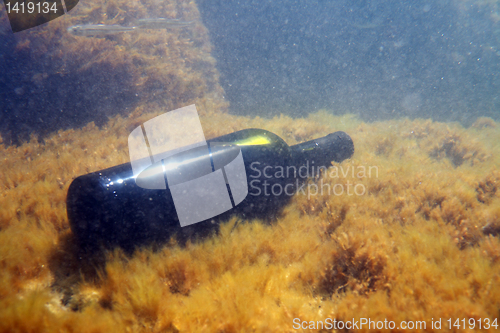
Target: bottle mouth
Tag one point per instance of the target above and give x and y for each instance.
(334, 147)
(339, 146)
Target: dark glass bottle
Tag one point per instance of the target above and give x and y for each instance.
(109, 208)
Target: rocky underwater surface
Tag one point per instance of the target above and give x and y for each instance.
(412, 236)
(420, 242)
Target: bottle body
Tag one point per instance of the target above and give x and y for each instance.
(109, 208)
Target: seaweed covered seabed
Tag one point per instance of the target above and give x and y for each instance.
(421, 242)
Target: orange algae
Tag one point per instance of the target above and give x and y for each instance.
(72, 80)
(420, 242)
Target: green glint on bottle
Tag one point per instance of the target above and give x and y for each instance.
(252, 173)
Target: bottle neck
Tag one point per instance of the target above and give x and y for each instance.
(311, 155)
(321, 152)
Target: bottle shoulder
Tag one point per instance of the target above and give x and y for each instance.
(257, 144)
(251, 137)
